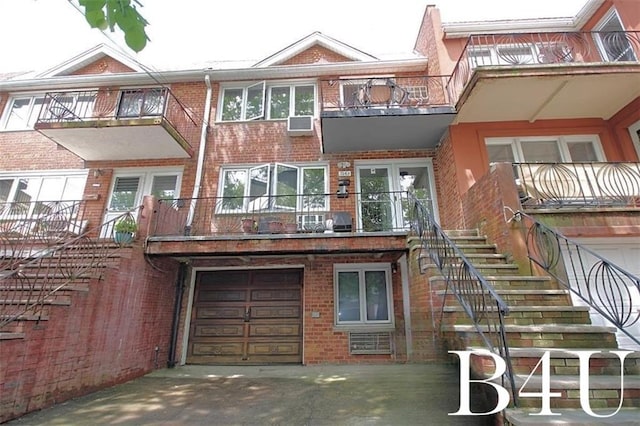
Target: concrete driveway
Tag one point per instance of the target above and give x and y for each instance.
(399, 394)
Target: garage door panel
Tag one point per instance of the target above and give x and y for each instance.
(275, 295)
(221, 295)
(274, 348)
(275, 276)
(264, 312)
(274, 330)
(219, 330)
(220, 312)
(217, 349)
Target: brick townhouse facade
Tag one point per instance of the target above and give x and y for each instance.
(278, 205)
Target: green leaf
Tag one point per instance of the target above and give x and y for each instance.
(136, 39)
(96, 19)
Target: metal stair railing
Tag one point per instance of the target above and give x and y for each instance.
(27, 284)
(476, 296)
(603, 286)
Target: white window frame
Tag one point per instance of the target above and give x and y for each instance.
(292, 98)
(164, 92)
(363, 323)
(634, 131)
(31, 111)
(606, 19)
(62, 174)
(562, 141)
(271, 187)
(266, 98)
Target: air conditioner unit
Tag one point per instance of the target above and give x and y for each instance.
(300, 125)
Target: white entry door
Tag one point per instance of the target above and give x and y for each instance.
(622, 252)
(128, 189)
(383, 188)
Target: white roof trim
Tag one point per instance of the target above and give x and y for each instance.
(218, 75)
(88, 57)
(465, 29)
(311, 40)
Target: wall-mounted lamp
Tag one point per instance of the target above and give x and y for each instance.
(97, 173)
(394, 267)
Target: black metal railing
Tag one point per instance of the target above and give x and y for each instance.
(521, 49)
(479, 300)
(557, 185)
(126, 104)
(605, 287)
(29, 282)
(295, 213)
(383, 92)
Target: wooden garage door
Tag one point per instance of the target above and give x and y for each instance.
(246, 317)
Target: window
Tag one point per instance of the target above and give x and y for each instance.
(281, 187)
(142, 102)
(284, 100)
(520, 53)
(22, 112)
(563, 149)
(31, 193)
(611, 39)
(363, 294)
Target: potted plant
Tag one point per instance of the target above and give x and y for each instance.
(249, 226)
(124, 229)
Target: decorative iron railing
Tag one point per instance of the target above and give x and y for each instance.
(276, 214)
(29, 280)
(126, 104)
(479, 300)
(605, 287)
(522, 49)
(562, 185)
(383, 92)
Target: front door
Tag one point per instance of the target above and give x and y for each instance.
(246, 317)
(383, 190)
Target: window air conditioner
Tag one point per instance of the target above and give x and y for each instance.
(300, 125)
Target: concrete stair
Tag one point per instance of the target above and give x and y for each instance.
(541, 319)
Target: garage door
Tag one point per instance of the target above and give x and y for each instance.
(246, 317)
(623, 252)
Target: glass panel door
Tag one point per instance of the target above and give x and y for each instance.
(376, 208)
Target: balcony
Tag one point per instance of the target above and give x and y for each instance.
(284, 224)
(138, 124)
(578, 185)
(537, 76)
(377, 113)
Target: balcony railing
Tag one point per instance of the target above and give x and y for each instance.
(347, 94)
(578, 185)
(509, 50)
(126, 104)
(284, 214)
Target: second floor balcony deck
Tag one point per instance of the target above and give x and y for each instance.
(384, 112)
(111, 124)
(551, 75)
(283, 224)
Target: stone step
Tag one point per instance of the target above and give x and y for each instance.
(553, 335)
(453, 233)
(572, 417)
(554, 297)
(59, 300)
(473, 247)
(72, 286)
(604, 391)
(513, 282)
(478, 258)
(529, 315)
(566, 362)
(483, 268)
(11, 336)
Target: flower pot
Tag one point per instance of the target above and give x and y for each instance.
(249, 226)
(275, 227)
(290, 228)
(123, 237)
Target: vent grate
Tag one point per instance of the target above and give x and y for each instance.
(370, 343)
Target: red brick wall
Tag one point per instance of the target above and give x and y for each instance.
(104, 65)
(449, 203)
(315, 54)
(322, 342)
(107, 336)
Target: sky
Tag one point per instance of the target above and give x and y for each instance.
(40, 34)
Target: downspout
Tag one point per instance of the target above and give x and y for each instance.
(201, 153)
(177, 308)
